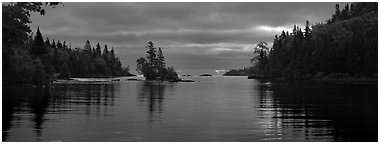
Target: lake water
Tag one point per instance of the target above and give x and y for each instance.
(211, 109)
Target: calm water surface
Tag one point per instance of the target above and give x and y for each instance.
(211, 109)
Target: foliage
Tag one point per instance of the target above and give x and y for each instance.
(153, 66)
(347, 43)
(16, 17)
(18, 64)
(33, 60)
(86, 62)
(261, 49)
(126, 72)
(240, 72)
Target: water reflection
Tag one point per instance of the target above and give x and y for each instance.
(23, 103)
(94, 98)
(38, 105)
(318, 111)
(27, 100)
(214, 109)
(152, 94)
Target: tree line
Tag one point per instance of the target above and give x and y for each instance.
(344, 46)
(246, 71)
(35, 60)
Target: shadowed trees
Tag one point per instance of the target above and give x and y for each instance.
(35, 60)
(23, 57)
(346, 44)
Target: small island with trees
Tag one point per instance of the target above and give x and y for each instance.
(153, 65)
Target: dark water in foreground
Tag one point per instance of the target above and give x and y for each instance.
(213, 109)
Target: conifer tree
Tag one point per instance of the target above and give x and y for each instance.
(64, 45)
(112, 53)
(59, 45)
(53, 45)
(105, 52)
(160, 58)
(160, 62)
(47, 42)
(87, 47)
(307, 30)
(38, 48)
(151, 54)
(98, 50)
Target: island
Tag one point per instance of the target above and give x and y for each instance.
(153, 66)
(246, 71)
(203, 75)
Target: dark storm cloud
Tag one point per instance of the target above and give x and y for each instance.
(194, 35)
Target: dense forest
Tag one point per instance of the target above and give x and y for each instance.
(30, 59)
(153, 65)
(344, 46)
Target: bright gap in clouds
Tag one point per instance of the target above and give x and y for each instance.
(271, 29)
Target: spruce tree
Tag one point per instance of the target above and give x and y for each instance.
(151, 53)
(160, 62)
(307, 30)
(87, 47)
(151, 60)
(47, 42)
(98, 50)
(105, 52)
(59, 45)
(64, 45)
(53, 45)
(38, 48)
(112, 53)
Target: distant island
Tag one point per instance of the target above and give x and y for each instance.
(128, 74)
(239, 72)
(204, 75)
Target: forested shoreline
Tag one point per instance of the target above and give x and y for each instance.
(343, 47)
(31, 59)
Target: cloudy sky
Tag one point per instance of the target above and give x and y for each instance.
(195, 37)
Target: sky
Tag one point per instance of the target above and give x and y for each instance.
(195, 38)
